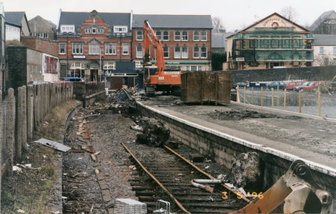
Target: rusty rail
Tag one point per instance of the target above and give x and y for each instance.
(157, 181)
(204, 173)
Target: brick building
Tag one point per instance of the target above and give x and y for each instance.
(89, 43)
(2, 47)
(186, 40)
(16, 26)
(271, 42)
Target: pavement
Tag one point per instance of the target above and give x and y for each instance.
(288, 135)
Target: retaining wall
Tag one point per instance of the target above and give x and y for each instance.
(223, 150)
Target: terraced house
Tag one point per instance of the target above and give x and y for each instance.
(186, 40)
(269, 43)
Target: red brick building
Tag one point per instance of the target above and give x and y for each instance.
(92, 42)
(186, 40)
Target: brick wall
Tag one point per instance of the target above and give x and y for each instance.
(43, 45)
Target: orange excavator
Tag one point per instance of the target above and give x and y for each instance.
(156, 78)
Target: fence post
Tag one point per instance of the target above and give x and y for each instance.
(237, 92)
(21, 122)
(300, 101)
(252, 95)
(244, 94)
(319, 100)
(285, 96)
(261, 96)
(10, 126)
(30, 112)
(272, 97)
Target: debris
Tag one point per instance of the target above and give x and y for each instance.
(133, 167)
(97, 171)
(44, 156)
(207, 167)
(202, 186)
(137, 128)
(17, 169)
(88, 148)
(154, 132)
(123, 204)
(94, 158)
(245, 170)
(20, 211)
(196, 158)
(53, 145)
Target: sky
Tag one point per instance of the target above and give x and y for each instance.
(235, 14)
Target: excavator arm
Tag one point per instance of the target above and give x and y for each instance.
(151, 38)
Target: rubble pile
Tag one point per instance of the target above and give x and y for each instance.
(154, 132)
(245, 171)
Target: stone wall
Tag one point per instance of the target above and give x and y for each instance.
(279, 74)
(22, 111)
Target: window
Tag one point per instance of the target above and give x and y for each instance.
(196, 52)
(177, 52)
(334, 50)
(321, 50)
(165, 35)
(94, 49)
(159, 35)
(45, 35)
(184, 36)
(101, 30)
(139, 51)
(77, 48)
(120, 29)
(166, 51)
(67, 28)
(177, 36)
(203, 36)
(196, 36)
(125, 48)
(204, 52)
(111, 49)
(139, 35)
(87, 30)
(184, 52)
(62, 48)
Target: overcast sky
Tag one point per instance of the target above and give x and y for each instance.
(235, 14)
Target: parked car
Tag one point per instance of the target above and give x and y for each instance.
(240, 84)
(275, 85)
(298, 88)
(72, 79)
(292, 84)
(312, 86)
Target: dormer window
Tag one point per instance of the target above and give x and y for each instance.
(67, 28)
(120, 29)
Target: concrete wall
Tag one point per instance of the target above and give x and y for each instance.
(306, 73)
(22, 111)
(223, 151)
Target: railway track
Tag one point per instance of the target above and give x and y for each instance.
(169, 177)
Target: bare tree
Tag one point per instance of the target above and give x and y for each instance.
(289, 12)
(217, 23)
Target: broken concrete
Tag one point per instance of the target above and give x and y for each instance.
(154, 132)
